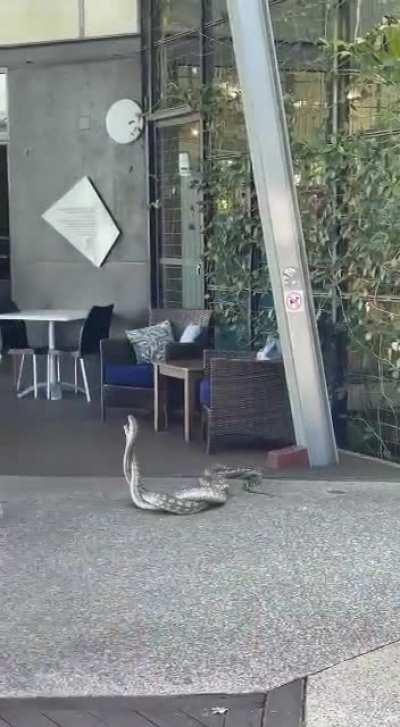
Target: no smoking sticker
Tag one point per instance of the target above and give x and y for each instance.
(294, 301)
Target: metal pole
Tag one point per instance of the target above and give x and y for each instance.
(257, 65)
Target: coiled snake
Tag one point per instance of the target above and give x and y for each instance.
(213, 487)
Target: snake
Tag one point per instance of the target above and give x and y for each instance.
(212, 490)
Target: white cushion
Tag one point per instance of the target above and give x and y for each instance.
(271, 351)
(191, 332)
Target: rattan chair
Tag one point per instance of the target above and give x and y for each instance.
(246, 399)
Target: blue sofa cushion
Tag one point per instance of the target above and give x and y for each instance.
(205, 392)
(139, 375)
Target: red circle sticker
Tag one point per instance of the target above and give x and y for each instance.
(295, 301)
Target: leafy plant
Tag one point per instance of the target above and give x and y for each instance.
(348, 183)
(349, 195)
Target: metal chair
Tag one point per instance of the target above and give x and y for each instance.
(14, 342)
(95, 328)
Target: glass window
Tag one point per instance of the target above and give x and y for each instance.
(3, 106)
(372, 12)
(103, 17)
(179, 220)
(219, 10)
(309, 107)
(177, 78)
(30, 21)
(171, 17)
(228, 137)
(296, 22)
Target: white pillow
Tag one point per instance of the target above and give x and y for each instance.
(271, 351)
(191, 332)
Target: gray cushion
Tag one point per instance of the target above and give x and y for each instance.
(150, 344)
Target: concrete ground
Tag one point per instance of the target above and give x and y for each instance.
(102, 599)
(363, 692)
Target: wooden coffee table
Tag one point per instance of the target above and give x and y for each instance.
(190, 372)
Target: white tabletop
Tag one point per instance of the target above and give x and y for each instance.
(45, 315)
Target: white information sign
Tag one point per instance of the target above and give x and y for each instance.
(81, 217)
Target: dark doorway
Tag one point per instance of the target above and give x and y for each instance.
(4, 216)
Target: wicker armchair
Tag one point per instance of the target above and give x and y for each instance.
(246, 398)
(137, 390)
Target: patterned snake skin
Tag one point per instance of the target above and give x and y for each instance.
(213, 487)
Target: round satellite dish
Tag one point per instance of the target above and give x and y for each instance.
(125, 121)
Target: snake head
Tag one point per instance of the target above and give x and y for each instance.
(131, 429)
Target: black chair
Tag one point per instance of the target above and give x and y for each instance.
(15, 343)
(95, 328)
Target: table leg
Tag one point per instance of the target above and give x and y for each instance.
(160, 400)
(55, 388)
(190, 401)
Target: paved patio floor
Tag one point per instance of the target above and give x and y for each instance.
(102, 599)
(67, 438)
(363, 692)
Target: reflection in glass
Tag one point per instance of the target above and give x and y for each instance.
(298, 22)
(179, 219)
(228, 136)
(171, 17)
(219, 10)
(309, 107)
(177, 72)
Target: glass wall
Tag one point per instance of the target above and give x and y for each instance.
(172, 17)
(192, 68)
(340, 70)
(179, 219)
(32, 21)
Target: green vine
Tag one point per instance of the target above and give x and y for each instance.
(348, 182)
(349, 196)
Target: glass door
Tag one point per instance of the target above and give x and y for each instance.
(179, 217)
(4, 221)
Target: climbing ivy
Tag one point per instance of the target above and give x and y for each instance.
(348, 183)
(349, 194)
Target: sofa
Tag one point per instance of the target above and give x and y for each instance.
(124, 382)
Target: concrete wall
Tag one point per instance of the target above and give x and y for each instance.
(54, 91)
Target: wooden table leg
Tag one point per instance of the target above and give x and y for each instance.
(190, 401)
(160, 400)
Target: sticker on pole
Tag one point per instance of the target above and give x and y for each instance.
(294, 301)
(291, 278)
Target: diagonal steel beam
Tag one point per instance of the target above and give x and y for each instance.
(257, 65)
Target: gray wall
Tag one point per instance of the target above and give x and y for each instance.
(53, 91)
